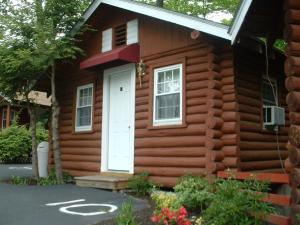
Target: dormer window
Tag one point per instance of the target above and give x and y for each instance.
(124, 34)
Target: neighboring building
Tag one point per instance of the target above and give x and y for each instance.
(171, 94)
(8, 110)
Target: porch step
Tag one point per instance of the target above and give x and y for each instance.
(109, 181)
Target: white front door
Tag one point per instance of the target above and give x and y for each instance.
(119, 92)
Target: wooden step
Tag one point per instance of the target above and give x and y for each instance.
(109, 181)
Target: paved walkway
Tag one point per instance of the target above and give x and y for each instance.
(56, 205)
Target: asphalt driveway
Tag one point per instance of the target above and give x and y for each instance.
(9, 170)
(57, 205)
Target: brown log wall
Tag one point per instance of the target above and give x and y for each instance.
(258, 147)
(196, 146)
(80, 151)
(292, 70)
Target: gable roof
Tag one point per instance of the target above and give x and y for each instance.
(192, 22)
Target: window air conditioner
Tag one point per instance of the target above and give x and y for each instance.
(273, 116)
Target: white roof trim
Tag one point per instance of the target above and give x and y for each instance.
(192, 22)
(239, 19)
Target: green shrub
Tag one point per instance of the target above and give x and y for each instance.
(141, 185)
(237, 203)
(194, 192)
(17, 180)
(165, 200)
(126, 215)
(52, 180)
(15, 142)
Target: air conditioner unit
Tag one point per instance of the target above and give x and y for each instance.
(273, 116)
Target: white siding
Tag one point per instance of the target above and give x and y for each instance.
(132, 32)
(107, 40)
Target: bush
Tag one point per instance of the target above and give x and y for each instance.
(52, 180)
(141, 185)
(17, 180)
(126, 216)
(194, 192)
(237, 203)
(165, 200)
(15, 143)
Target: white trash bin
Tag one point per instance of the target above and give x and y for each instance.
(42, 153)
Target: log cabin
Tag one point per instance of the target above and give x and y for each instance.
(173, 94)
(10, 109)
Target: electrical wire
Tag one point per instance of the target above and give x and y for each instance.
(277, 104)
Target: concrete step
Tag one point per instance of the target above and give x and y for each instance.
(109, 181)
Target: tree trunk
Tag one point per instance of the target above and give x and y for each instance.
(160, 3)
(33, 120)
(55, 127)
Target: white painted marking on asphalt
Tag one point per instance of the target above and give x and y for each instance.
(64, 203)
(67, 211)
(19, 168)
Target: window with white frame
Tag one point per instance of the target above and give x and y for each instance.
(84, 108)
(167, 108)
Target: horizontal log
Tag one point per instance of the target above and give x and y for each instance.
(81, 151)
(250, 126)
(249, 92)
(228, 80)
(142, 108)
(192, 129)
(170, 171)
(80, 136)
(214, 103)
(251, 101)
(172, 152)
(195, 85)
(201, 68)
(230, 106)
(292, 33)
(80, 158)
(227, 72)
(229, 97)
(257, 155)
(80, 173)
(294, 135)
(141, 124)
(182, 141)
(294, 154)
(293, 101)
(210, 57)
(231, 162)
(260, 165)
(294, 118)
(215, 156)
(230, 116)
(141, 115)
(84, 144)
(213, 112)
(214, 122)
(211, 133)
(249, 109)
(213, 144)
(229, 127)
(254, 136)
(196, 109)
(227, 63)
(295, 177)
(292, 4)
(230, 151)
(170, 161)
(84, 166)
(292, 16)
(230, 141)
(196, 101)
(168, 182)
(196, 118)
(256, 118)
(213, 167)
(214, 84)
(202, 76)
(293, 48)
(261, 145)
(292, 83)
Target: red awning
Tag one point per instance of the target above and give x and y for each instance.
(129, 53)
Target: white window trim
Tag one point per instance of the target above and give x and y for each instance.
(89, 127)
(176, 121)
